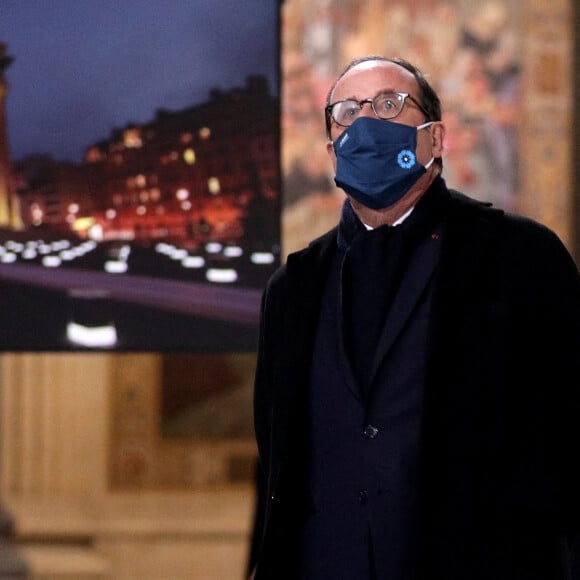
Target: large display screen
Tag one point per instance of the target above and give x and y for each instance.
(139, 173)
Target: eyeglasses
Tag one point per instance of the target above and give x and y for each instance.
(385, 106)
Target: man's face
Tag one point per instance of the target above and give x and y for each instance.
(371, 78)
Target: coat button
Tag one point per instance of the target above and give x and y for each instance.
(370, 432)
(363, 496)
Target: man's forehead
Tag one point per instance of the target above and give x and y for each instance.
(390, 74)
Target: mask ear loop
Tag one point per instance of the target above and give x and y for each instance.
(423, 126)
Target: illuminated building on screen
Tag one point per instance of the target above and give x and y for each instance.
(53, 194)
(9, 213)
(208, 172)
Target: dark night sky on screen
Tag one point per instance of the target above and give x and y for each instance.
(85, 67)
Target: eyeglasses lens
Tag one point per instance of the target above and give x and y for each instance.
(385, 106)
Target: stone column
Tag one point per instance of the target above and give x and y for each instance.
(12, 565)
(54, 434)
(546, 131)
(576, 133)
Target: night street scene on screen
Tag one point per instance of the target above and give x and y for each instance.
(139, 174)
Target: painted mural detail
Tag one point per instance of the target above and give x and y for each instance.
(469, 50)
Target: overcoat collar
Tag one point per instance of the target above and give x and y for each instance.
(464, 266)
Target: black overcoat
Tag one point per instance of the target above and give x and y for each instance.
(500, 479)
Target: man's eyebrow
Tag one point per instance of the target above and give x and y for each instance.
(355, 97)
(388, 90)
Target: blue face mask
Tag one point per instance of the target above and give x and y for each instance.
(376, 162)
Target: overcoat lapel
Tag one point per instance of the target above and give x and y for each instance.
(412, 286)
(456, 421)
(307, 273)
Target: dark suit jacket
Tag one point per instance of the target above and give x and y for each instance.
(500, 480)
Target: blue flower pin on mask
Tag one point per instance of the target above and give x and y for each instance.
(376, 161)
(406, 159)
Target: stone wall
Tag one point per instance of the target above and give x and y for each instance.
(60, 477)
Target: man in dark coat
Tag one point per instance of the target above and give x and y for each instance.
(416, 401)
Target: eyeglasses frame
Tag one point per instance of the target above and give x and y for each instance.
(362, 102)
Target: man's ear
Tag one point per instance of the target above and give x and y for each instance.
(438, 136)
(331, 154)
